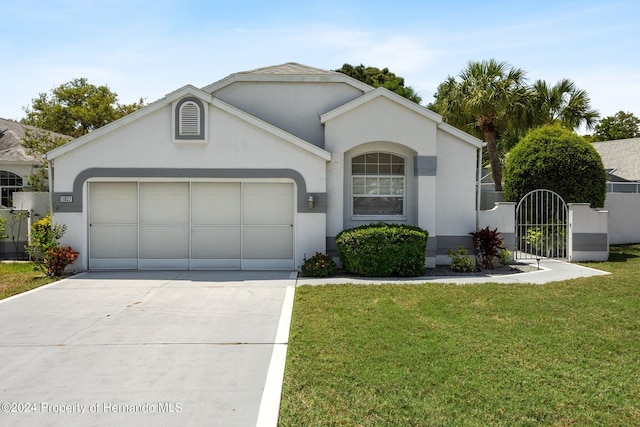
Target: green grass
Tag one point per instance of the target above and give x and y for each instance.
(17, 277)
(565, 354)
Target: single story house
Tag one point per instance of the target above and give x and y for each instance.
(260, 170)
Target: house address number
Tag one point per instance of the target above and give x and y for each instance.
(66, 199)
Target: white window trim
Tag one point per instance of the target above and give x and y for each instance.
(352, 195)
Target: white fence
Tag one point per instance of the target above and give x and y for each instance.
(624, 217)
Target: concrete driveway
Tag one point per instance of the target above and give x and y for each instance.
(146, 348)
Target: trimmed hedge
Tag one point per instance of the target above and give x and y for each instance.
(383, 250)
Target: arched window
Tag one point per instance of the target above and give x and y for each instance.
(189, 119)
(9, 184)
(378, 184)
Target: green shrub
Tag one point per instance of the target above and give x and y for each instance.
(555, 159)
(383, 250)
(319, 265)
(505, 256)
(460, 261)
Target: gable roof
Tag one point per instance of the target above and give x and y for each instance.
(188, 90)
(11, 135)
(288, 72)
(394, 97)
(144, 111)
(621, 156)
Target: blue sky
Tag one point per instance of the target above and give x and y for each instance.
(147, 49)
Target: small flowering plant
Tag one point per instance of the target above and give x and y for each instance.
(319, 265)
(57, 259)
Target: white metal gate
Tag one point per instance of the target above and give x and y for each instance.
(541, 226)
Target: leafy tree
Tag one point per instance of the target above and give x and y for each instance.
(562, 103)
(557, 159)
(490, 98)
(380, 78)
(76, 108)
(619, 126)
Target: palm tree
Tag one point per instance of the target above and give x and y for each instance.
(491, 97)
(563, 103)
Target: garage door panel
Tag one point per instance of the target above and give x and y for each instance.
(268, 243)
(164, 242)
(215, 243)
(215, 203)
(268, 203)
(114, 241)
(114, 203)
(164, 203)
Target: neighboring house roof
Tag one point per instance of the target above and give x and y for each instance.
(621, 158)
(11, 148)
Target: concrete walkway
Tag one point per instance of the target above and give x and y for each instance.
(550, 271)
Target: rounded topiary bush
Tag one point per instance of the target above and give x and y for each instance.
(555, 159)
(383, 250)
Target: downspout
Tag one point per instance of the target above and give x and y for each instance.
(479, 188)
(50, 177)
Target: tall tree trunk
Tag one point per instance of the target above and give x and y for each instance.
(494, 156)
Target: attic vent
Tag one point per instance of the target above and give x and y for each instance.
(189, 119)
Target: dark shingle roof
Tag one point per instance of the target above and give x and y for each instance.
(290, 68)
(621, 156)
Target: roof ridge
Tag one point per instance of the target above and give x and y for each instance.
(290, 68)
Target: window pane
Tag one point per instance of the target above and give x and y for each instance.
(384, 158)
(384, 186)
(372, 169)
(398, 170)
(358, 185)
(397, 159)
(358, 159)
(385, 169)
(377, 205)
(357, 169)
(372, 186)
(371, 157)
(397, 186)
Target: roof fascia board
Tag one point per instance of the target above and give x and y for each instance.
(376, 93)
(298, 142)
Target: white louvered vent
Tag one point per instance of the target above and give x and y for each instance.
(189, 119)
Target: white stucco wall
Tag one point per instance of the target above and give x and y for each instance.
(379, 125)
(456, 189)
(232, 144)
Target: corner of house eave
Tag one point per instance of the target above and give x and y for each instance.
(470, 139)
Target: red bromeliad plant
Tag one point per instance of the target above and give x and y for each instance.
(57, 259)
(488, 245)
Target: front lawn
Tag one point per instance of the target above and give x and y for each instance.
(17, 277)
(566, 353)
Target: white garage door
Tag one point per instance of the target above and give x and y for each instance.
(191, 225)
